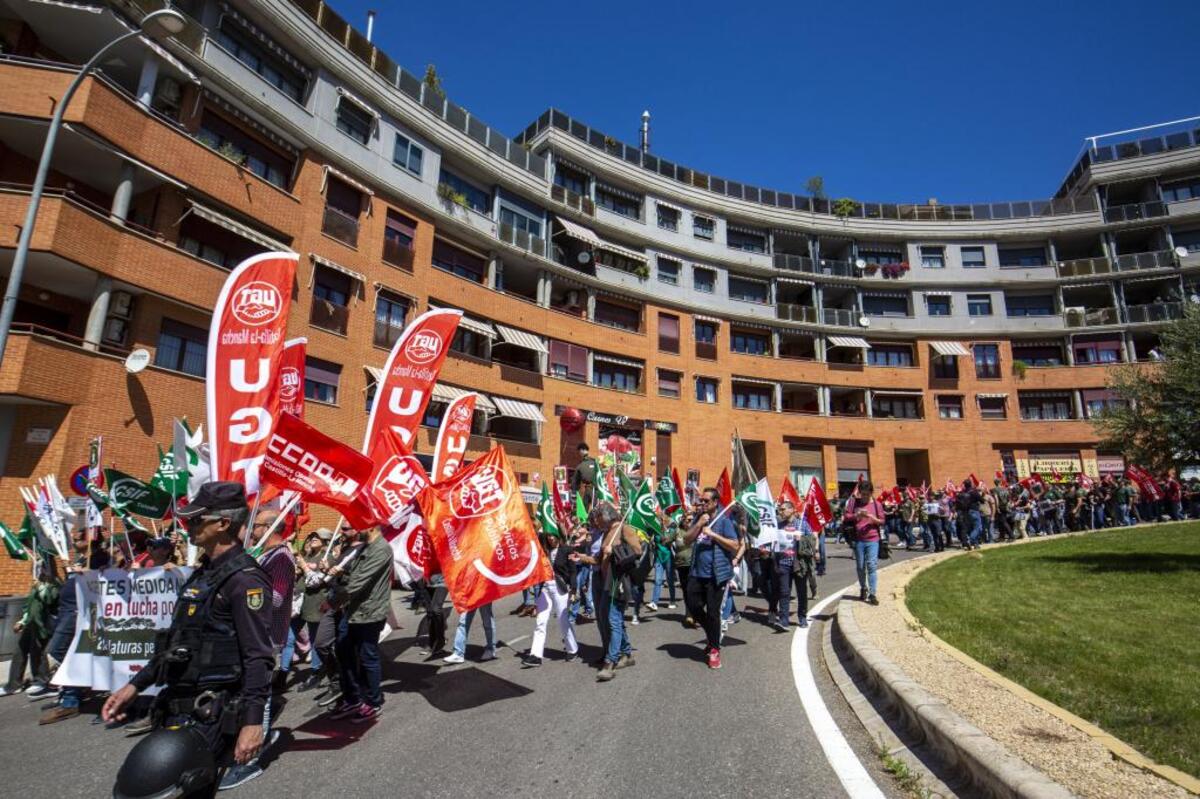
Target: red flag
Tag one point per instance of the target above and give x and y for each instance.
(974, 480)
(1146, 483)
(1085, 481)
(1001, 478)
(245, 347)
(291, 377)
(397, 477)
(816, 507)
(453, 436)
(788, 493)
(410, 548)
(408, 376)
(301, 458)
(725, 488)
(1055, 475)
(482, 535)
(678, 488)
(951, 488)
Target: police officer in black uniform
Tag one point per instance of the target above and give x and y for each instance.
(214, 663)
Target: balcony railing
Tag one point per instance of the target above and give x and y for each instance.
(521, 239)
(340, 225)
(1156, 312)
(840, 317)
(329, 316)
(582, 204)
(397, 254)
(828, 266)
(793, 263)
(1132, 262)
(385, 334)
(1091, 318)
(796, 313)
(1135, 211)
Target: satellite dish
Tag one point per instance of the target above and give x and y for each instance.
(137, 361)
(860, 263)
(1181, 252)
(583, 257)
(864, 321)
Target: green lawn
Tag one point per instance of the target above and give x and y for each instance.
(1106, 625)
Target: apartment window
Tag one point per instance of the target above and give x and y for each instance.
(1039, 354)
(1097, 401)
(1051, 407)
(668, 383)
(331, 300)
(749, 343)
(181, 348)
(1180, 190)
(205, 252)
(704, 279)
(993, 408)
(668, 217)
(972, 257)
(520, 220)
(1022, 256)
(570, 179)
(706, 332)
(391, 311)
(1188, 239)
(263, 161)
(251, 52)
(881, 257)
(568, 361)
(477, 199)
(987, 361)
(606, 374)
(890, 355)
(885, 407)
(372, 387)
(343, 203)
(618, 201)
(979, 304)
(754, 398)
(950, 407)
(668, 270)
(746, 290)
(937, 304)
(745, 240)
(945, 367)
(459, 262)
(668, 333)
(354, 120)
(407, 155)
(321, 380)
(468, 342)
(1029, 304)
(618, 316)
(933, 257)
(885, 305)
(398, 234)
(703, 227)
(706, 389)
(1097, 352)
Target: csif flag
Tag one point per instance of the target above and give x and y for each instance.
(168, 477)
(669, 499)
(643, 515)
(17, 544)
(581, 514)
(625, 487)
(483, 538)
(245, 349)
(545, 512)
(453, 436)
(604, 489)
(131, 495)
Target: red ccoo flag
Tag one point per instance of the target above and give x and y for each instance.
(816, 507)
(788, 493)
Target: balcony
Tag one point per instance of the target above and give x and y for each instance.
(1075, 317)
(796, 313)
(832, 268)
(340, 225)
(329, 316)
(706, 350)
(578, 202)
(793, 263)
(521, 239)
(398, 255)
(1132, 262)
(840, 317)
(1156, 312)
(1135, 211)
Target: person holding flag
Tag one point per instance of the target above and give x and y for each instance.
(555, 596)
(715, 541)
(34, 628)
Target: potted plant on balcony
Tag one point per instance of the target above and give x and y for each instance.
(447, 194)
(230, 151)
(1019, 368)
(871, 268)
(844, 207)
(642, 270)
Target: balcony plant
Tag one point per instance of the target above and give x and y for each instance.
(895, 270)
(447, 194)
(230, 151)
(844, 207)
(1019, 368)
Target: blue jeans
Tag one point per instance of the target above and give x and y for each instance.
(358, 655)
(618, 639)
(71, 696)
(727, 607)
(583, 593)
(664, 572)
(464, 627)
(289, 649)
(821, 549)
(866, 562)
(976, 520)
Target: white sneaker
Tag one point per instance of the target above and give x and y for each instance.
(651, 606)
(725, 625)
(670, 606)
(634, 621)
(453, 658)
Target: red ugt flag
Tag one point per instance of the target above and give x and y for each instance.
(291, 377)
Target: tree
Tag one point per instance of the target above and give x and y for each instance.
(432, 81)
(1157, 423)
(815, 186)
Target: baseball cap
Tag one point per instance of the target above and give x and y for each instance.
(323, 533)
(218, 495)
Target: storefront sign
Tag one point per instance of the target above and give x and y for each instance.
(1047, 465)
(1110, 464)
(618, 420)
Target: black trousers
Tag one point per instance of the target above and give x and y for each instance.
(1004, 529)
(706, 596)
(326, 644)
(31, 651)
(689, 611)
(434, 622)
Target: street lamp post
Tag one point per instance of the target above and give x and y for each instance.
(159, 24)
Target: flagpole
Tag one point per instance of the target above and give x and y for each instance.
(336, 535)
(250, 521)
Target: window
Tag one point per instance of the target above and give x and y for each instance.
(1023, 256)
(706, 389)
(704, 279)
(937, 304)
(260, 159)
(372, 387)
(749, 343)
(331, 300)
(1029, 304)
(885, 305)
(668, 383)
(391, 310)
(606, 374)
(972, 257)
(668, 217)
(1096, 402)
(747, 290)
(1045, 406)
(459, 262)
(343, 203)
(570, 178)
(881, 257)
(468, 342)
(668, 270)
(618, 261)
(933, 257)
(568, 361)
(1188, 239)
(1087, 352)
(251, 52)
(434, 412)
(890, 355)
(668, 333)
(745, 240)
(754, 398)
(398, 234)
(407, 155)
(321, 380)
(520, 220)
(354, 120)
(893, 407)
(979, 304)
(1038, 354)
(618, 316)
(993, 408)
(945, 367)
(987, 361)
(706, 332)
(205, 252)
(950, 407)
(181, 348)
(1180, 190)
(619, 202)
(702, 227)
(477, 199)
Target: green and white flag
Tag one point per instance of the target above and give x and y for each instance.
(626, 488)
(129, 494)
(545, 512)
(101, 500)
(168, 477)
(581, 514)
(603, 492)
(18, 543)
(668, 499)
(191, 456)
(642, 513)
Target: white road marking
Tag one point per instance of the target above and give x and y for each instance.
(841, 757)
(513, 641)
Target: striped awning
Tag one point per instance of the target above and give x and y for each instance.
(1036, 343)
(949, 348)
(579, 232)
(328, 170)
(888, 295)
(703, 318)
(937, 294)
(519, 338)
(375, 372)
(1088, 285)
(358, 101)
(749, 231)
(632, 255)
(516, 409)
(571, 164)
(754, 380)
(600, 356)
(896, 392)
(991, 396)
(237, 228)
(335, 266)
(474, 325)
(608, 187)
(445, 393)
(674, 208)
(849, 341)
(795, 280)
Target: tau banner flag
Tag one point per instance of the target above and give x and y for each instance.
(245, 348)
(482, 535)
(453, 436)
(300, 458)
(119, 614)
(290, 382)
(410, 547)
(396, 478)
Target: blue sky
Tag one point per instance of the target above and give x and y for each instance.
(960, 101)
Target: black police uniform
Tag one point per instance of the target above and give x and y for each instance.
(215, 661)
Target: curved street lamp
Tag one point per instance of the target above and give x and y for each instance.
(161, 24)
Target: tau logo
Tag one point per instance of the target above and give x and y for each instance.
(461, 413)
(256, 304)
(423, 347)
(289, 383)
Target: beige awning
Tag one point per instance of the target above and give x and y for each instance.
(991, 396)
(335, 266)
(632, 255)
(474, 325)
(327, 170)
(674, 208)
(516, 409)
(756, 381)
(233, 226)
(579, 232)
(702, 318)
(849, 341)
(520, 338)
(795, 280)
(375, 372)
(937, 294)
(949, 348)
(600, 356)
(445, 393)
(895, 392)
(358, 101)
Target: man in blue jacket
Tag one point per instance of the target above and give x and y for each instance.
(715, 543)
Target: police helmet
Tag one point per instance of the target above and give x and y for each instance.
(165, 764)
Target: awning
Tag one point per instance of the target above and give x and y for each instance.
(474, 325)
(674, 208)
(888, 295)
(579, 232)
(335, 266)
(795, 280)
(599, 356)
(949, 348)
(327, 170)
(895, 392)
(991, 396)
(520, 338)
(749, 325)
(749, 231)
(92, 139)
(1154, 279)
(937, 294)
(444, 393)
(632, 255)
(233, 226)
(703, 318)
(849, 341)
(516, 409)
(150, 44)
(268, 41)
(358, 101)
(1088, 285)
(375, 372)
(1036, 343)
(629, 195)
(571, 164)
(753, 380)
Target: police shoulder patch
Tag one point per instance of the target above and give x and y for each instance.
(254, 598)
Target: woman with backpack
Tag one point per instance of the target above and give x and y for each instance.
(867, 515)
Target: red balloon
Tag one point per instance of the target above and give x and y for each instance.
(618, 444)
(571, 420)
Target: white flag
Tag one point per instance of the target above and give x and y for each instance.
(768, 522)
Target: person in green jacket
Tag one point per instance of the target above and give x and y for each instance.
(34, 628)
(363, 605)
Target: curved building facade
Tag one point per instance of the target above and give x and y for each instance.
(668, 305)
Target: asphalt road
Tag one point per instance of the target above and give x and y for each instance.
(666, 727)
